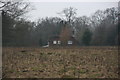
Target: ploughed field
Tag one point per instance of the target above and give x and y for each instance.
(73, 62)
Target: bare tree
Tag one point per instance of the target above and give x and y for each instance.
(68, 14)
(105, 27)
(14, 8)
(12, 11)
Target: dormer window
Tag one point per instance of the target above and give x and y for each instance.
(54, 42)
(59, 42)
(70, 42)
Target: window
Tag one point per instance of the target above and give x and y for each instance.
(59, 42)
(54, 42)
(70, 42)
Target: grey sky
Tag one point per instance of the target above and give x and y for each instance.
(50, 9)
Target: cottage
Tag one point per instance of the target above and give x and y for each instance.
(66, 37)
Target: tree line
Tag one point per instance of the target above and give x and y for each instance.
(100, 29)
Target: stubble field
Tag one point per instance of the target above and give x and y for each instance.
(73, 62)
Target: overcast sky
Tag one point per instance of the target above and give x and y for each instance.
(50, 9)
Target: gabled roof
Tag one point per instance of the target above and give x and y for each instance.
(54, 38)
(58, 37)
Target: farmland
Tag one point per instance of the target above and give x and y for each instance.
(72, 62)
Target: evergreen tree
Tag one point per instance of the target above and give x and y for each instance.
(87, 37)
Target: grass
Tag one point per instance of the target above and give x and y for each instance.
(97, 75)
(68, 76)
(74, 62)
(82, 71)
